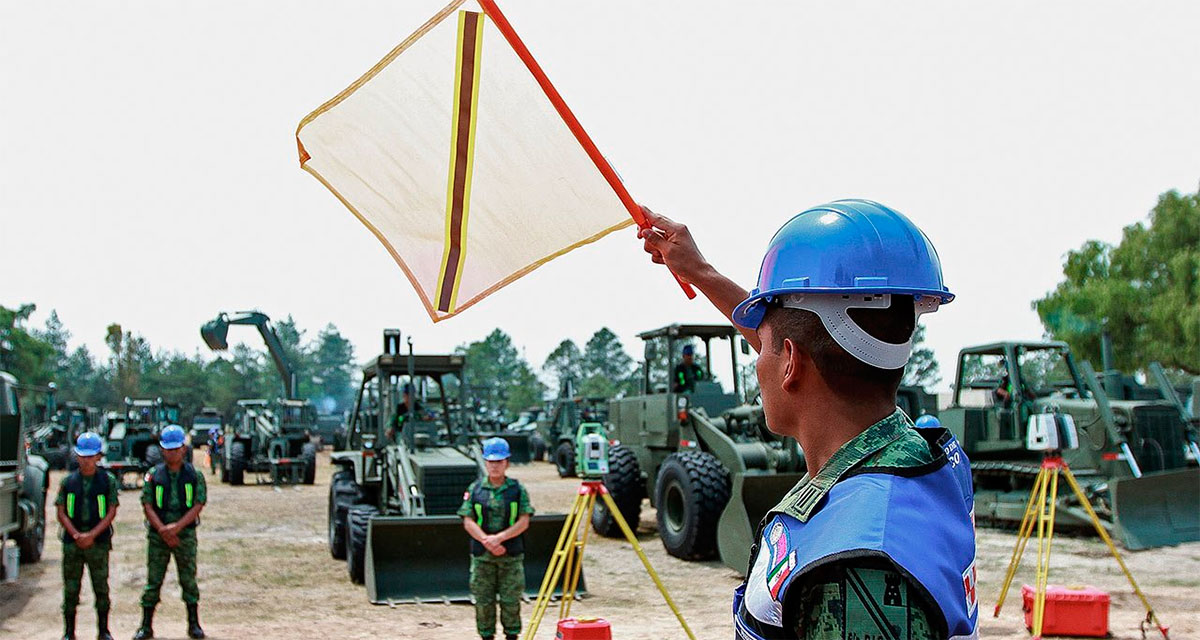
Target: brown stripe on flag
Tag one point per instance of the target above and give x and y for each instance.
(461, 158)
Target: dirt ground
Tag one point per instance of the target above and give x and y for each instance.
(265, 572)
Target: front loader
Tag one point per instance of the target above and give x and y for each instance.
(402, 477)
(1135, 459)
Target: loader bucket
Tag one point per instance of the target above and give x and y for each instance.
(750, 498)
(1157, 509)
(427, 558)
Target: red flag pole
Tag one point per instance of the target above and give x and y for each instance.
(493, 12)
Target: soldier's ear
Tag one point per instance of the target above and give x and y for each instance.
(795, 361)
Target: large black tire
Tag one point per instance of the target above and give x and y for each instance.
(625, 485)
(237, 464)
(564, 460)
(154, 455)
(308, 453)
(31, 544)
(358, 518)
(343, 493)
(691, 491)
(537, 447)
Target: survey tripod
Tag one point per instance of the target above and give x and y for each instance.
(568, 556)
(1040, 513)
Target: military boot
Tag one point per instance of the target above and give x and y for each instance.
(194, 630)
(69, 625)
(102, 625)
(145, 632)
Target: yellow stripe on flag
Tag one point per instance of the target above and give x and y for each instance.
(462, 156)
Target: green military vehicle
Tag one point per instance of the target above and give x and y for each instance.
(1132, 461)
(559, 427)
(24, 479)
(271, 441)
(132, 438)
(203, 421)
(399, 482)
(704, 458)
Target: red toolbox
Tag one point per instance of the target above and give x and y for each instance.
(1070, 611)
(583, 629)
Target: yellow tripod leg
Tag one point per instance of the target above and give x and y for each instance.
(566, 539)
(1026, 530)
(1041, 531)
(575, 563)
(1043, 577)
(616, 514)
(1112, 548)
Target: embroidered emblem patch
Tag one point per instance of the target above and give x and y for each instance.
(968, 580)
(149, 476)
(783, 560)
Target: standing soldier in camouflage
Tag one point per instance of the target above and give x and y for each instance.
(877, 539)
(172, 497)
(87, 505)
(495, 512)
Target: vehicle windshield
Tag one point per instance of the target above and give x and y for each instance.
(1045, 371)
(982, 374)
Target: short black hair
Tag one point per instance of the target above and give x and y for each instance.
(846, 375)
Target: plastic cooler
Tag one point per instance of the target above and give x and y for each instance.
(583, 629)
(1070, 611)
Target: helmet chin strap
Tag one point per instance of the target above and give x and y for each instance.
(833, 309)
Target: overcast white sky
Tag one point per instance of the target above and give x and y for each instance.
(148, 170)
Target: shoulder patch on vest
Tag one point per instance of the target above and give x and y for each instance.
(783, 558)
(149, 476)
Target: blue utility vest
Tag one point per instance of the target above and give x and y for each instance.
(920, 520)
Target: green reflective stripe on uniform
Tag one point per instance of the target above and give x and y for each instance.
(158, 491)
(70, 505)
(187, 495)
(682, 380)
(512, 513)
(103, 506)
(478, 513)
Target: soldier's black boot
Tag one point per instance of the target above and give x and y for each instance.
(194, 630)
(145, 632)
(102, 625)
(69, 625)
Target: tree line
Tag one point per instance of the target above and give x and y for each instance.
(134, 368)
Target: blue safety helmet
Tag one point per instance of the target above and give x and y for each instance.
(88, 444)
(927, 421)
(496, 449)
(172, 437)
(845, 247)
(689, 350)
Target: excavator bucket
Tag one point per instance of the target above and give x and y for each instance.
(215, 333)
(1157, 509)
(750, 498)
(424, 559)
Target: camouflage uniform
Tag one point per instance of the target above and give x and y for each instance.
(497, 578)
(848, 600)
(158, 554)
(94, 557)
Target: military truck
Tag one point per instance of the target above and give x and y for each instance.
(132, 447)
(559, 427)
(23, 483)
(705, 458)
(204, 420)
(271, 441)
(1132, 461)
(392, 502)
(53, 438)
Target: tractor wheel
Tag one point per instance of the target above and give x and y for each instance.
(224, 469)
(564, 459)
(343, 493)
(537, 447)
(308, 453)
(237, 464)
(691, 492)
(358, 518)
(625, 486)
(31, 546)
(154, 455)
